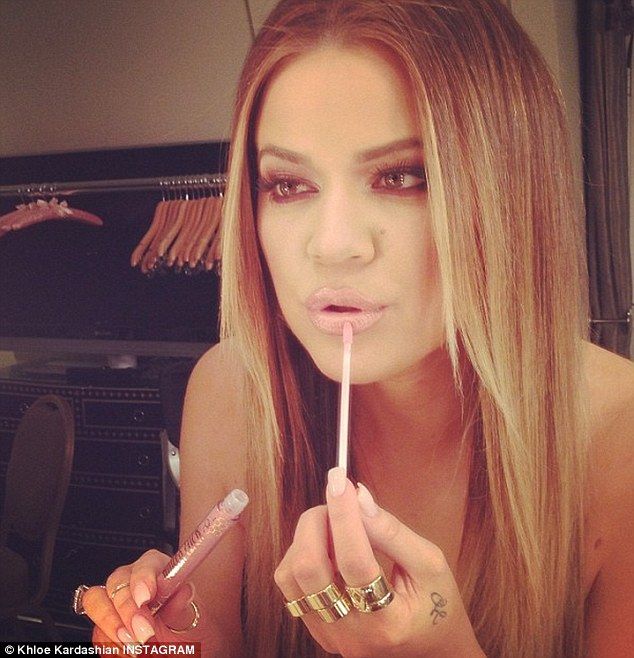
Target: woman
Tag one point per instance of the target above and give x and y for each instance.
(402, 164)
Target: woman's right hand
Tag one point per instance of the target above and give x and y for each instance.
(121, 614)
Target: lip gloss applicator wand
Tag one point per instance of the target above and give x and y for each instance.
(344, 400)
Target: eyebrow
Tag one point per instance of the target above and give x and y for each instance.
(365, 156)
(283, 154)
(407, 144)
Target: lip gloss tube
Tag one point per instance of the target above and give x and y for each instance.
(198, 545)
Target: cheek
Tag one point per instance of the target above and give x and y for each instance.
(418, 279)
(428, 257)
(267, 238)
(429, 288)
(277, 250)
(265, 244)
(413, 256)
(431, 270)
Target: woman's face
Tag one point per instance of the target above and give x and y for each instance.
(343, 216)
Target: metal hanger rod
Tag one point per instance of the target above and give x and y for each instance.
(118, 185)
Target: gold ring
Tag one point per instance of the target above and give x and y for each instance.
(337, 610)
(193, 623)
(330, 603)
(324, 598)
(371, 597)
(298, 607)
(118, 588)
(77, 603)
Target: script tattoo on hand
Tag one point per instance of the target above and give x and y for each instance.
(439, 602)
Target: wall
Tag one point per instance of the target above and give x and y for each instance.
(630, 144)
(80, 75)
(552, 24)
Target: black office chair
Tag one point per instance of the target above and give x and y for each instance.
(36, 484)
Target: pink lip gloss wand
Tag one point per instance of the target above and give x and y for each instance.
(198, 545)
(344, 400)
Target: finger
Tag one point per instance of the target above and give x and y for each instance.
(137, 622)
(311, 565)
(99, 637)
(307, 567)
(102, 612)
(131, 587)
(177, 612)
(141, 592)
(413, 553)
(353, 552)
(143, 576)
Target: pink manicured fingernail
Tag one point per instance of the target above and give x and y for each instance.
(337, 481)
(124, 636)
(366, 502)
(142, 628)
(141, 594)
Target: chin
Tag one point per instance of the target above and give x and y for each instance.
(371, 366)
(375, 358)
(363, 369)
(358, 375)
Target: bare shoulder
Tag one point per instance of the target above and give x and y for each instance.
(212, 462)
(212, 436)
(610, 385)
(219, 363)
(610, 527)
(610, 379)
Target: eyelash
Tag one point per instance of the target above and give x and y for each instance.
(408, 168)
(267, 184)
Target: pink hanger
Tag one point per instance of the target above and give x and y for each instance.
(38, 211)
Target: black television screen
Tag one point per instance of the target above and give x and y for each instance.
(72, 284)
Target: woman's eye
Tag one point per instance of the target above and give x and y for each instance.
(401, 179)
(283, 189)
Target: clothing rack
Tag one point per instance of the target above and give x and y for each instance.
(625, 320)
(164, 184)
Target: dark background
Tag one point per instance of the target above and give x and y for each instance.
(71, 280)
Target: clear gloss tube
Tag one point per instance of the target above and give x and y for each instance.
(198, 545)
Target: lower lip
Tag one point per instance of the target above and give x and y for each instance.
(331, 322)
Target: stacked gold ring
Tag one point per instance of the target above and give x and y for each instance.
(298, 607)
(330, 603)
(374, 596)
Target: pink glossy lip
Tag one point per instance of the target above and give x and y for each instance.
(330, 309)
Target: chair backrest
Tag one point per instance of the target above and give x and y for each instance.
(36, 484)
(172, 385)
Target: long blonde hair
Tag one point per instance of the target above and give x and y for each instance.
(507, 227)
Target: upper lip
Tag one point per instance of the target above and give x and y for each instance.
(321, 299)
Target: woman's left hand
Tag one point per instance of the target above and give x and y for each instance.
(426, 616)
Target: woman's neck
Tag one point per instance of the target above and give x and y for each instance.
(411, 445)
(418, 414)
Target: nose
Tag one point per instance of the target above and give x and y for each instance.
(340, 233)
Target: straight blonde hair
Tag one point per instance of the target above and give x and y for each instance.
(506, 221)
